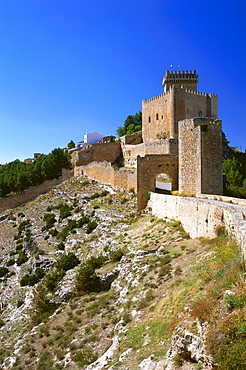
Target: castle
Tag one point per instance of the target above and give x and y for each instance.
(181, 137)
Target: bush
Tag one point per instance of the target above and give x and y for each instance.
(67, 262)
(32, 279)
(50, 220)
(10, 262)
(53, 278)
(92, 225)
(61, 246)
(71, 224)
(86, 279)
(82, 221)
(3, 271)
(64, 211)
(22, 258)
(115, 256)
(53, 232)
(23, 225)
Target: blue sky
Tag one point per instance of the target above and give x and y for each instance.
(71, 66)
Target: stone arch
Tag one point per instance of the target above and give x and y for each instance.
(149, 167)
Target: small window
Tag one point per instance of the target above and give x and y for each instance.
(157, 116)
(200, 113)
(149, 119)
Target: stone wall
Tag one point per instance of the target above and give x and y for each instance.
(202, 217)
(16, 200)
(105, 173)
(165, 146)
(97, 153)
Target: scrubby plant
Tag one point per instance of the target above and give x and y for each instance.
(53, 278)
(50, 220)
(67, 262)
(22, 258)
(3, 271)
(82, 221)
(65, 211)
(92, 225)
(116, 255)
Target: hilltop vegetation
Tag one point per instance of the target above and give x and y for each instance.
(86, 279)
(17, 176)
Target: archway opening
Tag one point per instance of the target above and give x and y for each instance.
(163, 183)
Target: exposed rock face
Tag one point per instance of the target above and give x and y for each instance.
(189, 347)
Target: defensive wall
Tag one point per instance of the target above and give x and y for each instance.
(16, 200)
(164, 146)
(105, 173)
(97, 152)
(202, 217)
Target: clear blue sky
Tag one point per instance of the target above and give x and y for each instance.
(71, 66)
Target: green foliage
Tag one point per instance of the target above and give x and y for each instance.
(67, 262)
(22, 258)
(92, 225)
(116, 255)
(23, 225)
(64, 211)
(234, 170)
(84, 357)
(32, 279)
(133, 123)
(53, 278)
(3, 271)
(50, 220)
(71, 144)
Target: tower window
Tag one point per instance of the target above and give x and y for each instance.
(157, 116)
(149, 119)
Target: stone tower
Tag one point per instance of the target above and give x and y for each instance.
(186, 79)
(180, 100)
(200, 156)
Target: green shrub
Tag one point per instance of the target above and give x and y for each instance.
(84, 357)
(92, 225)
(115, 256)
(53, 278)
(67, 262)
(53, 232)
(64, 211)
(22, 258)
(63, 233)
(3, 271)
(61, 246)
(50, 220)
(32, 279)
(71, 224)
(23, 225)
(86, 278)
(104, 193)
(10, 262)
(82, 221)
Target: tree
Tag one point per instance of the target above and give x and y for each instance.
(133, 123)
(71, 144)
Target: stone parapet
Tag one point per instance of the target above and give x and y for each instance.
(16, 200)
(202, 217)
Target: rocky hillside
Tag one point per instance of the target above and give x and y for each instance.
(87, 282)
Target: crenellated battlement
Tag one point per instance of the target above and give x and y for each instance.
(199, 93)
(187, 90)
(186, 78)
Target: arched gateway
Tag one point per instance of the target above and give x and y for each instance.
(149, 167)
